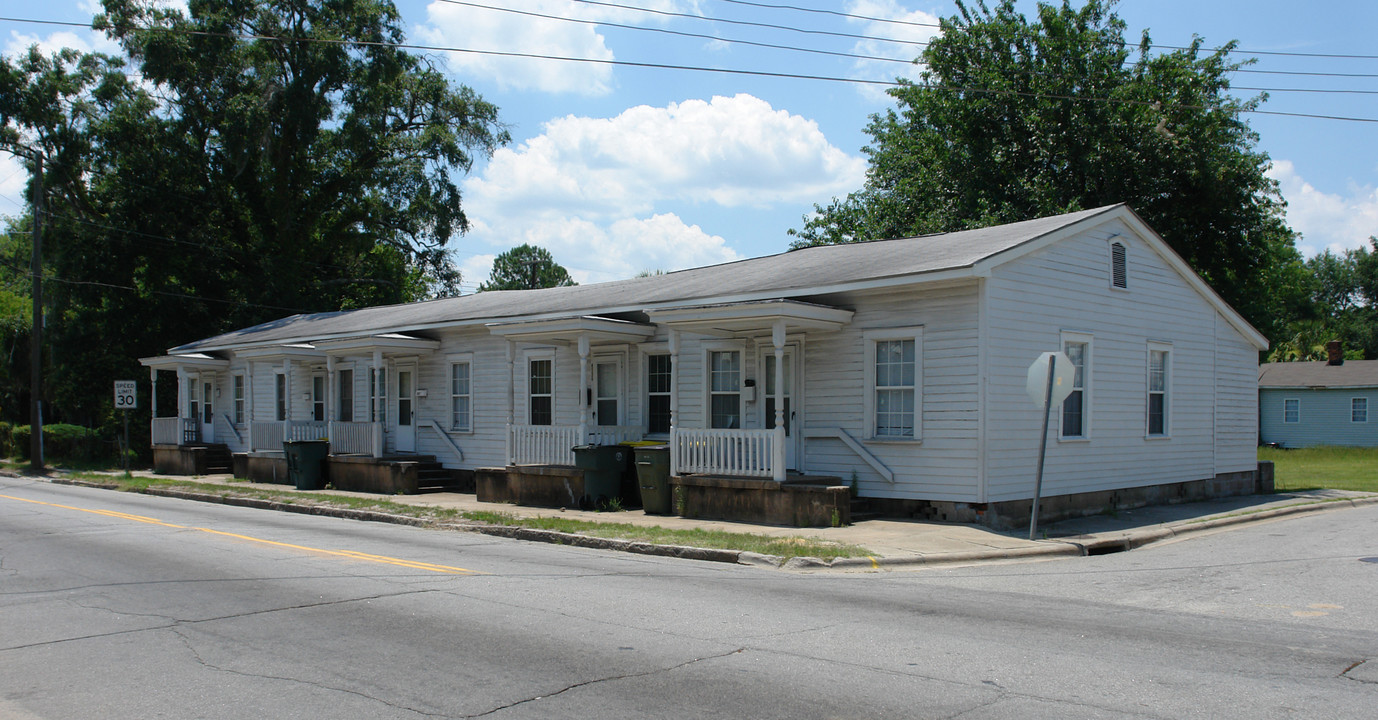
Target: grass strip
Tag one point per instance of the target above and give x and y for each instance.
(786, 547)
(1315, 468)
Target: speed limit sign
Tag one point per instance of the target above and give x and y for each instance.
(126, 395)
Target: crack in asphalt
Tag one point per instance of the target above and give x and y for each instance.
(596, 681)
(302, 681)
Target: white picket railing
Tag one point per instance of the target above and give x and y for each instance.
(265, 436)
(613, 434)
(723, 452)
(353, 438)
(167, 431)
(544, 444)
(307, 430)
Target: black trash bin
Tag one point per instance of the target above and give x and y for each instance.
(653, 475)
(305, 459)
(603, 466)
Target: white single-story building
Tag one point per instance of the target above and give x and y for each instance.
(1326, 402)
(900, 363)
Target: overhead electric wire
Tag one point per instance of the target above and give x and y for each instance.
(748, 23)
(665, 66)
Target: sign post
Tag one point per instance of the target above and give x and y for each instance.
(1050, 381)
(126, 399)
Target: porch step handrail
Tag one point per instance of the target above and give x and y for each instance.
(544, 444)
(703, 451)
(446, 437)
(222, 422)
(167, 431)
(351, 438)
(838, 433)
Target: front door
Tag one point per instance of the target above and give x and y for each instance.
(207, 409)
(607, 391)
(405, 431)
(768, 407)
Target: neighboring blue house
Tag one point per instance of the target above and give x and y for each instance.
(1333, 402)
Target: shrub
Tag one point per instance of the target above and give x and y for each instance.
(61, 442)
(6, 439)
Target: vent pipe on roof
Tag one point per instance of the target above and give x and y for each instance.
(1334, 352)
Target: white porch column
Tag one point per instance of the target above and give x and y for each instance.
(777, 444)
(511, 397)
(583, 387)
(287, 399)
(249, 401)
(674, 402)
(153, 383)
(183, 404)
(330, 400)
(376, 402)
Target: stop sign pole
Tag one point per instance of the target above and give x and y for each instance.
(1060, 375)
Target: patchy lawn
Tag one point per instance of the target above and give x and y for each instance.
(1339, 468)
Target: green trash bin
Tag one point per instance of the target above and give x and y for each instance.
(603, 466)
(653, 475)
(304, 461)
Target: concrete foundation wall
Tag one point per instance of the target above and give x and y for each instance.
(179, 460)
(261, 467)
(761, 501)
(360, 474)
(533, 486)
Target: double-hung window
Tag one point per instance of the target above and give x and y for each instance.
(1358, 409)
(318, 398)
(346, 409)
(894, 375)
(1291, 410)
(378, 394)
(658, 393)
(1076, 415)
(541, 390)
(461, 395)
(725, 388)
(280, 395)
(1159, 388)
(238, 399)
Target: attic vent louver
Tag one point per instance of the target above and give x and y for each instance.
(1119, 275)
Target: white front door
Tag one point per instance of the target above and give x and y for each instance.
(404, 433)
(207, 409)
(607, 391)
(768, 406)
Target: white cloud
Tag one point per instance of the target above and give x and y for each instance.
(917, 35)
(1326, 220)
(13, 179)
(593, 191)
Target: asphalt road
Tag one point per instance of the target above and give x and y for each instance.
(124, 606)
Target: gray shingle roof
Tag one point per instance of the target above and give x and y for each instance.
(1319, 374)
(795, 273)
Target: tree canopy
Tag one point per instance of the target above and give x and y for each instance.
(240, 162)
(526, 267)
(1016, 118)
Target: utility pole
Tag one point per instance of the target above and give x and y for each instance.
(36, 336)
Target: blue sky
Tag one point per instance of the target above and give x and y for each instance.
(617, 168)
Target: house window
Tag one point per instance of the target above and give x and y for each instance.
(658, 393)
(238, 399)
(1291, 410)
(459, 396)
(346, 410)
(378, 398)
(541, 391)
(1158, 383)
(318, 398)
(606, 392)
(1075, 417)
(193, 405)
(1119, 273)
(725, 388)
(1358, 410)
(207, 392)
(894, 371)
(280, 395)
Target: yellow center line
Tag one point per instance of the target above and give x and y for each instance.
(352, 554)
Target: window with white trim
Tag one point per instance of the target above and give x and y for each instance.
(318, 398)
(346, 410)
(658, 369)
(1119, 270)
(1159, 369)
(725, 388)
(1291, 410)
(541, 390)
(378, 394)
(280, 395)
(894, 372)
(1076, 415)
(461, 396)
(1358, 409)
(238, 398)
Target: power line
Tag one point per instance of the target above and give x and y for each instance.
(769, 26)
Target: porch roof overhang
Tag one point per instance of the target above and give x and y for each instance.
(387, 343)
(568, 329)
(198, 361)
(303, 352)
(751, 319)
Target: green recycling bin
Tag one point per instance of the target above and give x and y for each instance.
(653, 475)
(603, 466)
(305, 459)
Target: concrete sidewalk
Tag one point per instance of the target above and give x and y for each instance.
(895, 544)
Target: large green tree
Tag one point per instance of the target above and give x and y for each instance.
(1015, 118)
(1343, 293)
(526, 267)
(242, 161)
